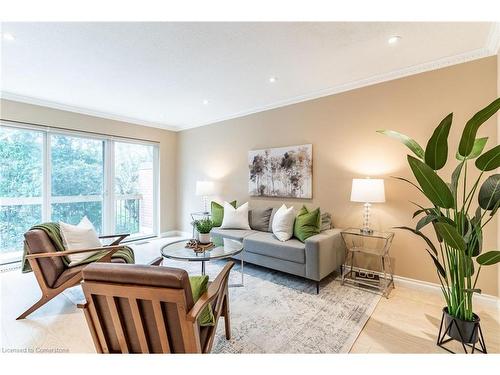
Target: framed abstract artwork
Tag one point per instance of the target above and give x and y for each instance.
(281, 172)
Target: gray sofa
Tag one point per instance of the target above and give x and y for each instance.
(314, 259)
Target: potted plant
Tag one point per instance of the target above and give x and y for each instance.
(457, 222)
(204, 226)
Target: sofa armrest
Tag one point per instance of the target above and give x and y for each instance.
(325, 253)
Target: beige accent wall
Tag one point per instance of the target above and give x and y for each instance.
(345, 145)
(16, 111)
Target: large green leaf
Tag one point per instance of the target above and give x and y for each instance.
(489, 160)
(462, 222)
(439, 238)
(436, 151)
(418, 233)
(408, 181)
(425, 220)
(478, 214)
(470, 130)
(432, 185)
(489, 258)
(410, 143)
(477, 232)
(438, 265)
(428, 211)
(455, 177)
(477, 149)
(451, 236)
(469, 268)
(489, 193)
(495, 208)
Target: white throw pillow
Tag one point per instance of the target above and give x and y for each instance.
(235, 218)
(283, 222)
(78, 237)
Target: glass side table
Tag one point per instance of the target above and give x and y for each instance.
(376, 244)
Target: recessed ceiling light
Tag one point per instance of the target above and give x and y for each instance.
(8, 36)
(205, 101)
(394, 39)
(272, 79)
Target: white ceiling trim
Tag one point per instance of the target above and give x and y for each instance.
(400, 73)
(493, 44)
(490, 49)
(84, 111)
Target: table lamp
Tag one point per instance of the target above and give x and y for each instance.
(205, 189)
(367, 191)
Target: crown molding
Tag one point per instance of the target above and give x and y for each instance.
(490, 49)
(373, 80)
(493, 43)
(83, 111)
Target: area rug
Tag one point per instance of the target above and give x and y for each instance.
(279, 313)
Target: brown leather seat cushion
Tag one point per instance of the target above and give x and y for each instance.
(138, 274)
(68, 273)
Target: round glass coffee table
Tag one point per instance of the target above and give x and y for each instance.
(223, 248)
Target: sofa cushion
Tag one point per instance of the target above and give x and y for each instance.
(234, 234)
(259, 218)
(264, 243)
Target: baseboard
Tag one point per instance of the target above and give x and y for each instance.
(486, 299)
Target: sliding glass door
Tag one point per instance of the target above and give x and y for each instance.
(21, 181)
(77, 176)
(48, 175)
(134, 188)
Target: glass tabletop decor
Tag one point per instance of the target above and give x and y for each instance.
(222, 248)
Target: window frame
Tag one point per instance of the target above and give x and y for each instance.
(108, 206)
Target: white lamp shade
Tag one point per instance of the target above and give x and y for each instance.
(205, 188)
(368, 190)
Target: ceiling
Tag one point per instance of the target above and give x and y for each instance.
(182, 75)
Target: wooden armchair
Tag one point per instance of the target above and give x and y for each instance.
(50, 271)
(150, 309)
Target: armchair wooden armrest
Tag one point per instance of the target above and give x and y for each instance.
(156, 262)
(70, 252)
(120, 238)
(214, 290)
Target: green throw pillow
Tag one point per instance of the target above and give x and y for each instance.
(307, 223)
(199, 285)
(218, 213)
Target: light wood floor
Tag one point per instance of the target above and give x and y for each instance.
(407, 322)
